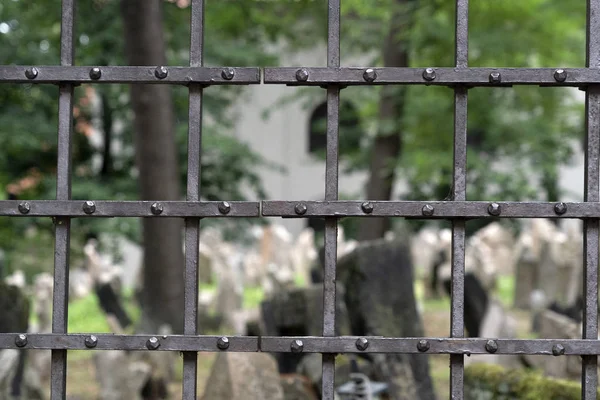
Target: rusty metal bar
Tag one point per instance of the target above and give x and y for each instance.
(331, 194)
(472, 77)
(589, 372)
(312, 344)
(192, 225)
(459, 193)
(60, 301)
(105, 74)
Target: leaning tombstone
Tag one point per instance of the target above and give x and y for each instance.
(379, 295)
(244, 376)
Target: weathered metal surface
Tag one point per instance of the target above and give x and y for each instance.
(333, 78)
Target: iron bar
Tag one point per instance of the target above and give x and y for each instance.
(192, 225)
(143, 74)
(459, 193)
(442, 76)
(331, 194)
(62, 226)
(312, 344)
(589, 370)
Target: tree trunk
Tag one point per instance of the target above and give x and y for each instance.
(156, 159)
(388, 143)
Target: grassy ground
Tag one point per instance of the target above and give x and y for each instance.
(86, 316)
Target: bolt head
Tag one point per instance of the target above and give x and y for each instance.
(423, 345)
(362, 344)
(367, 207)
(31, 73)
(223, 343)
(297, 346)
(427, 210)
(161, 72)
(560, 75)
(95, 73)
(224, 207)
(21, 340)
(494, 209)
(24, 207)
(495, 77)
(91, 341)
(491, 346)
(153, 343)
(228, 73)
(560, 208)
(558, 350)
(89, 207)
(302, 75)
(370, 75)
(300, 209)
(156, 208)
(429, 74)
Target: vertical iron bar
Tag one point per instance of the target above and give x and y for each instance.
(459, 184)
(192, 225)
(60, 301)
(331, 193)
(589, 364)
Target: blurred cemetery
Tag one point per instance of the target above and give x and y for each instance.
(524, 279)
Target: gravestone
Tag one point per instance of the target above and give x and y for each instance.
(299, 312)
(475, 303)
(244, 376)
(378, 281)
(119, 377)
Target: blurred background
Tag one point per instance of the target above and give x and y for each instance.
(267, 142)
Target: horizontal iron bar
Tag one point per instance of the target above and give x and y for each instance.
(307, 344)
(430, 209)
(174, 75)
(80, 208)
(440, 76)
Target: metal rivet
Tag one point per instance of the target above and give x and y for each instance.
(156, 208)
(89, 207)
(153, 343)
(91, 341)
(495, 77)
(21, 340)
(228, 73)
(300, 209)
(223, 343)
(95, 73)
(370, 75)
(427, 210)
(31, 73)
(297, 346)
(494, 209)
(429, 74)
(560, 75)
(362, 344)
(560, 208)
(224, 207)
(423, 345)
(24, 207)
(491, 346)
(302, 75)
(367, 207)
(161, 72)
(558, 350)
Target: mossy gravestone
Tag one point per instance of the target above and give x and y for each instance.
(378, 280)
(493, 382)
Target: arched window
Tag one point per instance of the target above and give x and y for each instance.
(350, 129)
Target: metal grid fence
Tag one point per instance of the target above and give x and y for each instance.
(333, 78)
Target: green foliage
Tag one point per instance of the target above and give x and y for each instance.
(494, 382)
(239, 35)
